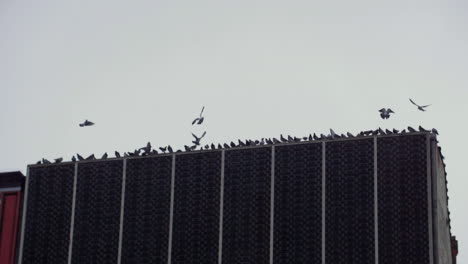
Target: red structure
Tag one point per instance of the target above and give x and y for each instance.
(11, 186)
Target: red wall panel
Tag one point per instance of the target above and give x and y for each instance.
(9, 210)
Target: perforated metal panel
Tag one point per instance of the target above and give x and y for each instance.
(46, 234)
(298, 204)
(196, 208)
(146, 218)
(97, 212)
(246, 219)
(402, 200)
(350, 202)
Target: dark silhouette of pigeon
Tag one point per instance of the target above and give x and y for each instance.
(187, 148)
(232, 144)
(434, 131)
(73, 159)
(333, 134)
(241, 144)
(421, 129)
(412, 130)
(262, 142)
(269, 141)
(213, 147)
(225, 145)
(395, 131)
(45, 161)
(310, 137)
(80, 158)
(91, 157)
(86, 123)
(117, 154)
(104, 156)
(420, 107)
(349, 134)
(381, 132)
(169, 148)
(385, 113)
(58, 160)
(361, 134)
(125, 154)
(282, 138)
(154, 152)
(403, 131)
(200, 119)
(388, 132)
(305, 138)
(146, 149)
(315, 136)
(290, 139)
(220, 146)
(296, 139)
(39, 162)
(276, 141)
(197, 139)
(163, 149)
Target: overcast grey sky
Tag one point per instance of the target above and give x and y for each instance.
(142, 70)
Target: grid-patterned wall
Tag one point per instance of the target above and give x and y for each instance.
(403, 205)
(147, 205)
(46, 235)
(97, 212)
(201, 208)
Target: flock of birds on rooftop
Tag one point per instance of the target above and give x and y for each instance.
(148, 150)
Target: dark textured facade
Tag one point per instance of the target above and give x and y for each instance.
(377, 199)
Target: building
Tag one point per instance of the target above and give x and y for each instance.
(371, 199)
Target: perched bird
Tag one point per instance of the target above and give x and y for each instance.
(310, 137)
(39, 162)
(232, 144)
(86, 123)
(421, 129)
(207, 146)
(395, 131)
(305, 138)
(117, 154)
(80, 158)
(403, 131)
(333, 134)
(315, 136)
(349, 134)
(73, 159)
(434, 131)
(290, 139)
(45, 161)
(389, 132)
(169, 148)
(381, 132)
(163, 149)
(282, 138)
(412, 130)
(197, 139)
(146, 149)
(220, 146)
(420, 107)
(276, 141)
(385, 113)
(187, 148)
(91, 157)
(154, 152)
(213, 147)
(269, 141)
(200, 119)
(295, 139)
(225, 145)
(262, 142)
(241, 144)
(58, 160)
(104, 156)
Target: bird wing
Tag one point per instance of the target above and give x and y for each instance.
(90, 123)
(390, 111)
(202, 111)
(204, 133)
(413, 102)
(423, 106)
(195, 136)
(194, 121)
(382, 110)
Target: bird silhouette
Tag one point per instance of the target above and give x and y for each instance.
(104, 156)
(421, 129)
(349, 134)
(163, 149)
(117, 154)
(282, 138)
(91, 157)
(196, 141)
(225, 145)
(420, 107)
(58, 160)
(80, 158)
(412, 130)
(86, 123)
(169, 148)
(73, 159)
(213, 147)
(45, 161)
(146, 149)
(385, 113)
(434, 131)
(199, 119)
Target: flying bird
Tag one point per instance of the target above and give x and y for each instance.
(197, 139)
(420, 107)
(86, 123)
(385, 113)
(199, 119)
